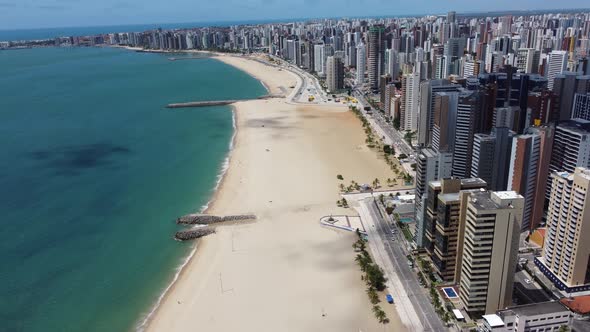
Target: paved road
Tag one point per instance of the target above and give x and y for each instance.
(394, 250)
(528, 292)
(392, 135)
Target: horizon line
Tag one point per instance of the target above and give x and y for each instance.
(271, 20)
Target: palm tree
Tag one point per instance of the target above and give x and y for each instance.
(362, 261)
(376, 309)
(379, 314)
(344, 203)
(373, 296)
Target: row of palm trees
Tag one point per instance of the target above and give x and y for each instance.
(373, 276)
(350, 188)
(377, 143)
(356, 186)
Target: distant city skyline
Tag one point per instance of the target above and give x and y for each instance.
(30, 14)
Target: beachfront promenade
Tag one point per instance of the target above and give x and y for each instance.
(412, 303)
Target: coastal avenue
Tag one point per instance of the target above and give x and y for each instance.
(311, 86)
(412, 301)
(386, 130)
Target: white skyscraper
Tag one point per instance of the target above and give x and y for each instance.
(490, 223)
(361, 63)
(411, 93)
(527, 60)
(567, 249)
(557, 64)
(392, 65)
(319, 58)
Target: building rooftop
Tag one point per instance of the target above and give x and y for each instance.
(472, 182)
(533, 309)
(577, 304)
(450, 197)
(493, 320)
(579, 171)
(482, 201)
(507, 194)
(576, 125)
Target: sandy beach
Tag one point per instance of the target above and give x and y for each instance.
(283, 272)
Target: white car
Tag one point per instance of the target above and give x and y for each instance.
(528, 281)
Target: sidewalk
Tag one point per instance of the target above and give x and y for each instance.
(403, 304)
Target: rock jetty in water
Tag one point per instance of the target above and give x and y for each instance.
(206, 219)
(193, 233)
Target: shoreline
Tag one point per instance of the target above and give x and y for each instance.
(185, 288)
(145, 320)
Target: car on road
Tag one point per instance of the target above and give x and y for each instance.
(528, 281)
(389, 298)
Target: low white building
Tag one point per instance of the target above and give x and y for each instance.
(544, 316)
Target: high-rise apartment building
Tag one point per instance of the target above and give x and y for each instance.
(581, 107)
(557, 64)
(482, 161)
(334, 73)
(445, 118)
(361, 63)
(565, 87)
(442, 222)
(566, 254)
(319, 58)
(428, 91)
(410, 106)
(469, 108)
(522, 176)
(489, 228)
(545, 134)
(375, 56)
(571, 146)
(527, 60)
(431, 165)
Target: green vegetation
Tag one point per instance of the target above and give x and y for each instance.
(376, 183)
(409, 136)
(407, 233)
(387, 149)
(373, 273)
(396, 123)
(380, 315)
(339, 177)
(342, 203)
(408, 178)
(373, 276)
(373, 296)
(374, 141)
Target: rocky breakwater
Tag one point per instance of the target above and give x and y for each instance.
(205, 220)
(193, 233)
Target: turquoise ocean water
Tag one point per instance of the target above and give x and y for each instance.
(94, 171)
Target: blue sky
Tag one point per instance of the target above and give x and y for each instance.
(23, 14)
